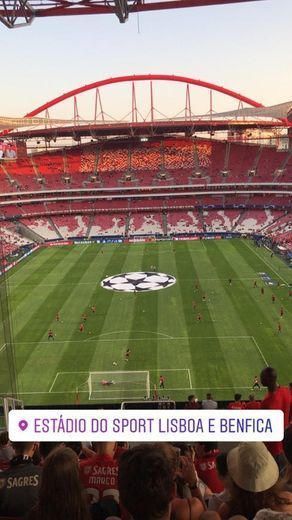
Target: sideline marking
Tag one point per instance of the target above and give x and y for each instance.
(139, 397)
(96, 338)
(265, 262)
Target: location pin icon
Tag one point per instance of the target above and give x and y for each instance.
(23, 424)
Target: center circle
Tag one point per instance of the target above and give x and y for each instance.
(140, 281)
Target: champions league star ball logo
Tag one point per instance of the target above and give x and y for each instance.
(138, 282)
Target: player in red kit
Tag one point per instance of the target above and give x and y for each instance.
(161, 381)
(281, 312)
(199, 317)
(256, 383)
(81, 327)
(273, 298)
(279, 328)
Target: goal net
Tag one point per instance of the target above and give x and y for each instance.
(119, 385)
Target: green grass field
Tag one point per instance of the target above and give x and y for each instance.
(236, 338)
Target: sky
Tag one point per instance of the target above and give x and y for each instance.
(245, 47)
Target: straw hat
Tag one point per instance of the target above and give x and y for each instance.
(252, 467)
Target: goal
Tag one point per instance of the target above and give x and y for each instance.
(119, 384)
(9, 403)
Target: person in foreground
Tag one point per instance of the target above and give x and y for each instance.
(150, 496)
(61, 495)
(287, 444)
(277, 398)
(255, 483)
(19, 484)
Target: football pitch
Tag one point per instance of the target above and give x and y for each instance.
(236, 337)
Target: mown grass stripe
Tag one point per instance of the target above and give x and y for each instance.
(275, 346)
(217, 367)
(41, 319)
(145, 316)
(171, 321)
(70, 305)
(93, 355)
(247, 308)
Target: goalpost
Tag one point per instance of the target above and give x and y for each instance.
(119, 384)
(10, 403)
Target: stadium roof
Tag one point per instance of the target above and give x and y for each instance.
(241, 119)
(11, 123)
(16, 13)
(40, 123)
(279, 111)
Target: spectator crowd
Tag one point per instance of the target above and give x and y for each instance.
(153, 481)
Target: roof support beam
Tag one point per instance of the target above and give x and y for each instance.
(17, 13)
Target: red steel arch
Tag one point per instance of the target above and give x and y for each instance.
(144, 77)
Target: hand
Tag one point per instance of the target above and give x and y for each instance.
(190, 454)
(187, 471)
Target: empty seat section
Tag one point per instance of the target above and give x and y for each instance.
(149, 224)
(108, 225)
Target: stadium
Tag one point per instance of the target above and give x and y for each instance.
(145, 263)
(141, 195)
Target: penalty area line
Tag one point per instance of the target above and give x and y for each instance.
(53, 383)
(260, 351)
(60, 373)
(190, 378)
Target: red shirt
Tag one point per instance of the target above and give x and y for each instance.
(236, 405)
(278, 400)
(99, 476)
(207, 472)
(253, 405)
